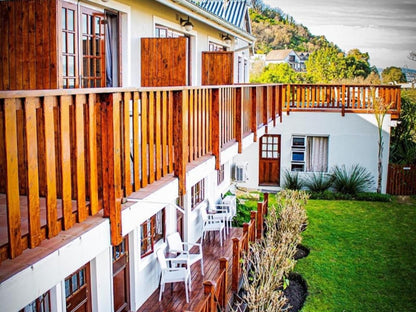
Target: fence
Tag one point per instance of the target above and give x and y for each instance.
(401, 180)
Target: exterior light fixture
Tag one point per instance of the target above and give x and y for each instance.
(187, 24)
(226, 39)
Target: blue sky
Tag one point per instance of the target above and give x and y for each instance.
(386, 29)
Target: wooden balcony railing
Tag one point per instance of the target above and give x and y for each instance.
(343, 98)
(67, 154)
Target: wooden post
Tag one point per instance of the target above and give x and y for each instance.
(92, 153)
(209, 290)
(236, 266)
(126, 144)
(343, 101)
(80, 100)
(223, 295)
(252, 235)
(259, 220)
(180, 138)
(266, 206)
(112, 161)
(216, 126)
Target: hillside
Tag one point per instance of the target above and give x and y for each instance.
(275, 30)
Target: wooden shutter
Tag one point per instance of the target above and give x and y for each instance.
(163, 62)
(218, 68)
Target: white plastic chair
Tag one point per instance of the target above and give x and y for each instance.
(211, 225)
(172, 275)
(183, 251)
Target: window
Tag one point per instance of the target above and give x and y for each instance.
(165, 32)
(269, 147)
(41, 304)
(214, 47)
(197, 193)
(152, 231)
(82, 66)
(309, 153)
(220, 175)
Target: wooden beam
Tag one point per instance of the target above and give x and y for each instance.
(126, 144)
(180, 103)
(12, 177)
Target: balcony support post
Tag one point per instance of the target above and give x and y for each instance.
(216, 127)
(239, 118)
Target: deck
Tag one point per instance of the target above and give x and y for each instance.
(173, 299)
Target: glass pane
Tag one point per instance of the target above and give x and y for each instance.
(46, 303)
(84, 46)
(275, 140)
(84, 23)
(63, 18)
(264, 147)
(71, 66)
(91, 46)
(90, 25)
(97, 46)
(67, 288)
(91, 71)
(275, 147)
(298, 141)
(97, 25)
(71, 83)
(263, 154)
(65, 84)
(64, 68)
(270, 155)
(74, 281)
(98, 83)
(71, 43)
(298, 156)
(71, 21)
(64, 42)
(270, 139)
(275, 154)
(81, 277)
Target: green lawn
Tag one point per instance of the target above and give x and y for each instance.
(363, 256)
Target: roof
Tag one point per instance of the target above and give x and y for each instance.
(233, 11)
(276, 55)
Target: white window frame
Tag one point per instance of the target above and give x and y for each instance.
(300, 165)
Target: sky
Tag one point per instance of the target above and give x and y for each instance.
(386, 29)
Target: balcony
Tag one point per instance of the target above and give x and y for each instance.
(66, 155)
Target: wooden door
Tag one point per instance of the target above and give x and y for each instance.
(77, 290)
(121, 288)
(269, 160)
(218, 68)
(164, 62)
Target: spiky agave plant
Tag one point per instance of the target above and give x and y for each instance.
(352, 180)
(319, 182)
(292, 181)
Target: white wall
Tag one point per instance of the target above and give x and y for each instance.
(50, 272)
(352, 139)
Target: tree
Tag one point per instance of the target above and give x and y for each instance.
(393, 74)
(278, 73)
(380, 108)
(326, 65)
(358, 64)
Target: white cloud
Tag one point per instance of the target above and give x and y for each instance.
(384, 28)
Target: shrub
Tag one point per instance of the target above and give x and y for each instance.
(292, 181)
(319, 182)
(351, 181)
(373, 197)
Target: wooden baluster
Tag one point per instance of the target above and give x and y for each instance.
(239, 118)
(171, 117)
(200, 129)
(80, 100)
(165, 134)
(252, 235)
(203, 121)
(144, 141)
(191, 125)
(92, 153)
(216, 127)
(259, 226)
(65, 169)
(158, 130)
(33, 171)
(254, 112)
(12, 179)
(136, 140)
(151, 134)
(126, 144)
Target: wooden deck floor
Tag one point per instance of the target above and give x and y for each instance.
(173, 298)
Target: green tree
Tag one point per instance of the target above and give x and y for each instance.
(393, 74)
(326, 65)
(358, 64)
(403, 137)
(278, 73)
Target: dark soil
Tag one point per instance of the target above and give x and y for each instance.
(301, 252)
(296, 292)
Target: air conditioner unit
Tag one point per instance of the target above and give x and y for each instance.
(240, 174)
